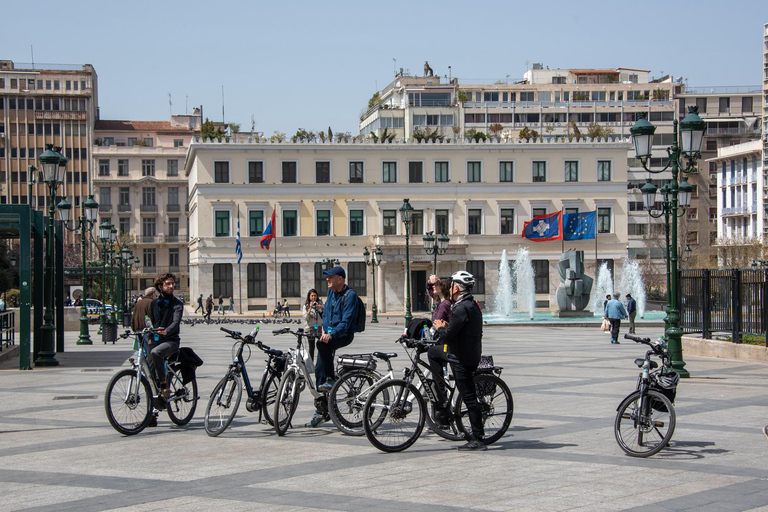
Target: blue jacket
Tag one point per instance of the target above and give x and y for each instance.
(631, 306)
(340, 313)
(615, 310)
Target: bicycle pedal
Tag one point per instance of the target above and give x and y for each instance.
(658, 424)
(626, 416)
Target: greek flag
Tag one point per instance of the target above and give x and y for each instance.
(238, 247)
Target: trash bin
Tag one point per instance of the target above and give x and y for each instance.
(109, 332)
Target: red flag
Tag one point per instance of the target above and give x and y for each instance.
(269, 233)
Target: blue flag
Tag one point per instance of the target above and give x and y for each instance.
(579, 226)
(544, 227)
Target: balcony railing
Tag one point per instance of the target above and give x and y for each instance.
(173, 238)
(123, 208)
(105, 207)
(149, 208)
(149, 239)
(173, 207)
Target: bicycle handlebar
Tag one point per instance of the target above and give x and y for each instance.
(638, 339)
(146, 330)
(657, 348)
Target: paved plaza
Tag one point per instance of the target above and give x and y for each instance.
(58, 452)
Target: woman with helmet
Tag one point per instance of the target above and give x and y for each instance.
(462, 339)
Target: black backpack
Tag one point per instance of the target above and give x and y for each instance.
(360, 320)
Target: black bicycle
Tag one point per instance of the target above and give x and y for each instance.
(396, 410)
(645, 420)
(225, 398)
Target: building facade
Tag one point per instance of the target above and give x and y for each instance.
(333, 200)
(39, 107)
(141, 189)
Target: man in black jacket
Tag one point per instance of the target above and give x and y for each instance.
(165, 312)
(463, 338)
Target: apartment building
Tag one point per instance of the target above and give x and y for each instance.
(141, 189)
(553, 102)
(332, 200)
(733, 118)
(741, 187)
(45, 106)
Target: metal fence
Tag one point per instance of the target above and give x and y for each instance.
(729, 301)
(7, 329)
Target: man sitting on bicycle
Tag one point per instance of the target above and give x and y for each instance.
(165, 312)
(463, 341)
(338, 331)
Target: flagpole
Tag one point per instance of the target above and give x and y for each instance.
(274, 231)
(239, 269)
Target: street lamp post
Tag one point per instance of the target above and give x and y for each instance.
(85, 224)
(329, 263)
(676, 196)
(405, 213)
(373, 260)
(105, 230)
(435, 245)
(51, 173)
(112, 276)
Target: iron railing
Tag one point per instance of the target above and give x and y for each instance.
(724, 300)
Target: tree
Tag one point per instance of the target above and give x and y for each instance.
(739, 252)
(234, 127)
(385, 137)
(427, 135)
(572, 127)
(495, 129)
(595, 131)
(303, 135)
(277, 137)
(528, 134)
(209, 131)
(462, 96)
(475, 135)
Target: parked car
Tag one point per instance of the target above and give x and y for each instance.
(93, 307)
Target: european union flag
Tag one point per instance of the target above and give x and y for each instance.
(544, 227)
(579, 226)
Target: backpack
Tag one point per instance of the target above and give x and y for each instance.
(360, 320)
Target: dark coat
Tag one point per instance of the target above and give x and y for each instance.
(464, 333)
(167, 312)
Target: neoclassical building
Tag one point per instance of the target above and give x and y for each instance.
(332, 200)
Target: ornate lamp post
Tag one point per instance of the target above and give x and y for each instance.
(112, 277)
(434, 246)
(105, 231)
(84, 224)
(373, 260)
(329, 263)
(51, 173)
(675, 197)
(405, 213)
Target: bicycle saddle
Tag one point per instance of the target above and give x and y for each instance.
(275, 352)
(385, 356)
(640, 361)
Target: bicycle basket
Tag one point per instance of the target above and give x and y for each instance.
(666, 384)
(486, 387)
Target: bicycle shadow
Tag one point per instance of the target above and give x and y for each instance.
(689, 450)
(529, 444)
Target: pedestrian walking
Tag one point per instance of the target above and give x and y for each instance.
(231, 304)
(221, 304)
(208, 308)
(200, 305)
(632, 312)
(286, 309)
(615, 313)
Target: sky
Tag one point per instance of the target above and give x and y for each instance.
(311, 65)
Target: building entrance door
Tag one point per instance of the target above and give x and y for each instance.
(419, 297)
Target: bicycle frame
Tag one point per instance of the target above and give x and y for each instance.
(298, 361)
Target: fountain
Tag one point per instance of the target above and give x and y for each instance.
(603, 287)
(632, 282)
(516, 292)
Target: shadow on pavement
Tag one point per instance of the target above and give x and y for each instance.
(529, 445)
(107, 359)
(687, 450)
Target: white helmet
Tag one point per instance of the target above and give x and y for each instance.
(463, 278)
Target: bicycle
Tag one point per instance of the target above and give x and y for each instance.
(225, 397)
(298, 375)
(394, 412)
(132, 393)
(646, 419)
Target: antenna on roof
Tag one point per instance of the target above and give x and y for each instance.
(32, 53)
(222, 103)
(170, 104)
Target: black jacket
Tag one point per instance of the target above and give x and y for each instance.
(464, 333)
(167, 312)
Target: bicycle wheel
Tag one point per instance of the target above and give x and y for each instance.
(268, 396)
(394, 415)
(286, 402)
(347, 398)
(183, 400)
(641, 429)
(496, 406)
(128, 410)
(222, 405)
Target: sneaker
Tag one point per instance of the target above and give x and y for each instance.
(152, 421)
(165, 391)
(326, 386)
(765, 430)
(317, 420)
(474, 445)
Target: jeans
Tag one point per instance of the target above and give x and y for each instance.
(615, 325)
(157, 355)
(325, 351)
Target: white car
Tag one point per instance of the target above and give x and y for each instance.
(93, 307)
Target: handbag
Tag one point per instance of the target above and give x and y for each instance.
(606, 325)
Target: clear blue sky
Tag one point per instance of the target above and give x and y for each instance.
(303, 64)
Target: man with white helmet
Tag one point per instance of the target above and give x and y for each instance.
(462, 339)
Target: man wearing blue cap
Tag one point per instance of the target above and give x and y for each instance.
(338, 331)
